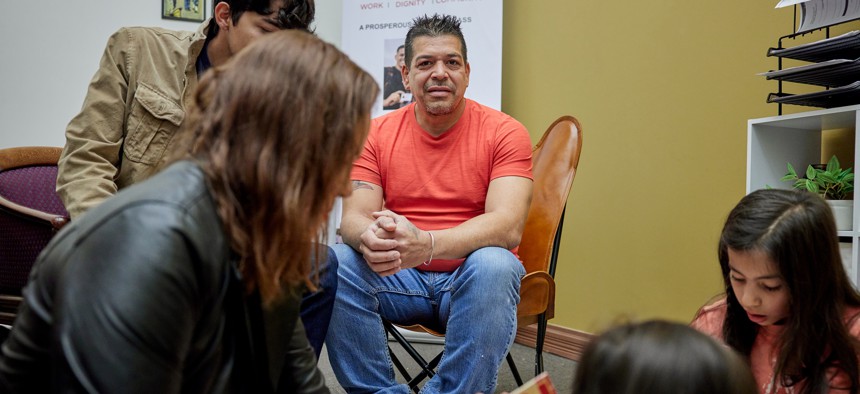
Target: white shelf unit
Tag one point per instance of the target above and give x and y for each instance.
(772, 142)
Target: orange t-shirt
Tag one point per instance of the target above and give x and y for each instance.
(438, 183)
(765, 348)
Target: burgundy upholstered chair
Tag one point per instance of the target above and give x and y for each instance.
(30, 214)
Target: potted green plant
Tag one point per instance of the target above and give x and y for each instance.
(831, 182)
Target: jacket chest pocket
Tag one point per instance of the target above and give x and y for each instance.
(152, 123)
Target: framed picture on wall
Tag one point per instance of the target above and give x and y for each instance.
(184, 10)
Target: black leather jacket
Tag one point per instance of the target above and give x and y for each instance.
(141, 295)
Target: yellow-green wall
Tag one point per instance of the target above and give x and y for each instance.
(663, 90)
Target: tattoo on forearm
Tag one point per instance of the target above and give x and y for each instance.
(361, 185)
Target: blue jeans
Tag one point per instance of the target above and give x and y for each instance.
(317, 306)
(476, 305)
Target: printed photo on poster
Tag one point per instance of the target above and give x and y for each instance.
(184, 10)
(394, 93)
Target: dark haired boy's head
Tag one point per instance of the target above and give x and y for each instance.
(434, 26)
(285, 14)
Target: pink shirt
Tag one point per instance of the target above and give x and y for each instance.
(765, 348)
(440, 182)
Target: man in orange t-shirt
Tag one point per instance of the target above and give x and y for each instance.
(440, 197)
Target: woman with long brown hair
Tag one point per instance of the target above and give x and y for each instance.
(189, 282)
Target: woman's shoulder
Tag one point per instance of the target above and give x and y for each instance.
(709, 318)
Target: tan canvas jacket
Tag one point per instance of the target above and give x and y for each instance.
(134, 106)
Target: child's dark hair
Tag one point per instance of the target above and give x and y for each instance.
(660, 357)
(797, 231)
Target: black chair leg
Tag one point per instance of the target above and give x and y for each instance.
(541, 336)
(399, 365)
(427, 369)
(409, 349)
(514, 370)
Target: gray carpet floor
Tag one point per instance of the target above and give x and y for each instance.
(561, 370)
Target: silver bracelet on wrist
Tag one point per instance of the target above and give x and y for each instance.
(432, 246)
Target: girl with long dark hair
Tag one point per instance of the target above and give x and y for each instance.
(789, 306)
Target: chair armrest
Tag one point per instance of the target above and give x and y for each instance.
(537, 295)
(55, 221)
(29, 156)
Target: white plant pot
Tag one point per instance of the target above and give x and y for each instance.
(843, 212)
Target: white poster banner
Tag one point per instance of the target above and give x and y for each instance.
(374, 30)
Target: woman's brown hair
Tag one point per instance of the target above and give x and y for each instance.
(276, 130)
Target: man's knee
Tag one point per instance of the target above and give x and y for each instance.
(344, 253)
(351, 266)
(495, 262)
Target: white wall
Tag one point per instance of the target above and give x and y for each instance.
(328, 20)
(51, 49)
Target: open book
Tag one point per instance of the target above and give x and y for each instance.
(541, 384)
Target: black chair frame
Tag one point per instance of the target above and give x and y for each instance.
(428, 369)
